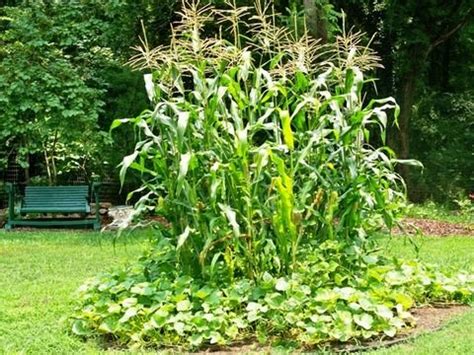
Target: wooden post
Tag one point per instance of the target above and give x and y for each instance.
(11, 204)
(95, 191)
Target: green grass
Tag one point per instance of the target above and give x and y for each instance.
(456, 337)
(451, 251)
(39, 272)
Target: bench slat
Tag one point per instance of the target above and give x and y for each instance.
(56, 199)
(38, 205)
(36, 192)
(33, 196)
(84, 209)
(55, 190)
(54, 194)
(66, 187)
(41, 193)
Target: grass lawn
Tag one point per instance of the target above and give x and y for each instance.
(39, 272)
(457, 337)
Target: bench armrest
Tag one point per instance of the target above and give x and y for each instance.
(9, 187)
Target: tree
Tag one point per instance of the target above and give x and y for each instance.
(410, 37)
(46, 102)
(58, 61)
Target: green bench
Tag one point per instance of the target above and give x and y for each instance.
(41, 200)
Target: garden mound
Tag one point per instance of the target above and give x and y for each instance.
(434, 227)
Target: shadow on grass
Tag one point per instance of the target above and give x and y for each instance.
(76, 236)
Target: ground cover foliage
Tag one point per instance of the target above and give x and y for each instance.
(258, 155)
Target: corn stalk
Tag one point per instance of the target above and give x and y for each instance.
(260, 145)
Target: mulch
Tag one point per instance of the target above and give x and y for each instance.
(434, 227)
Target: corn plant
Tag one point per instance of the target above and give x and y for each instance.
(260, 144)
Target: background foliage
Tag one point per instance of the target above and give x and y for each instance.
(76, 50)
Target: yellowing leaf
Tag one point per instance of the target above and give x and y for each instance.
(179, 327)
(281, 284)
(183, 118)
(184, 165)
(231, 217)
(286, 127)
(364, 320)
(404, 300)
(183, 237)
(131, 312)
(384, 312)
(183, 306)
(129, 302)
(149, 86)
(114, 308)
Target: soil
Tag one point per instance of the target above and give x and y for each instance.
(432, 318)
(434, 227)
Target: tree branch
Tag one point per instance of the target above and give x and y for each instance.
(445, 36)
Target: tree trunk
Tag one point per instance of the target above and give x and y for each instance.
(399, 139)
(27, 170)
(47, 164)
(54, 172)
(440, 59)
(315, 20)
(407, 100)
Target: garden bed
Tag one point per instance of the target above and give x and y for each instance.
(429, 319)
(33, 261)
